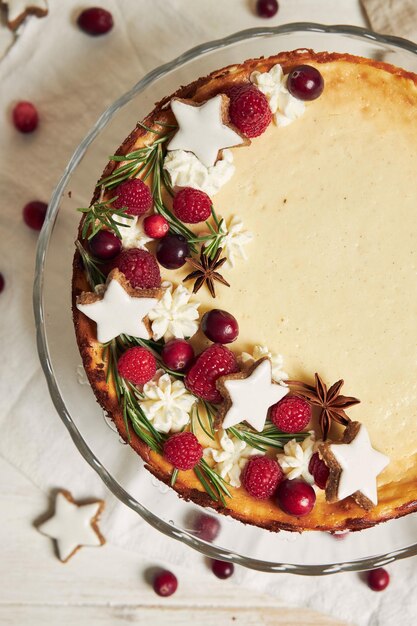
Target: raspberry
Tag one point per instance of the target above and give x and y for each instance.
(319, 470)
(261, 477)
(192, 206)
(183, 450)
(140, 268)
(25, 117)
(133, 196)
(137, 365)
(215, 361)
(249, 111)
(291, 414)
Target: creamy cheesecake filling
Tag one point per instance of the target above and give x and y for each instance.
(331, 278)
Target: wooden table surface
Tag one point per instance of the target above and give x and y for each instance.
(108, 586)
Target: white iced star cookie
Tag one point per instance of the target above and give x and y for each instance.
(203, 128)
(354, 466)
(248, 395)
(73, 525)
(18, 10)
(120, 310)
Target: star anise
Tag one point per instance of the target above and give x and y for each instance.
(206, 271)
(332, 405)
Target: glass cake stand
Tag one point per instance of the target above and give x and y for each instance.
(118, 466)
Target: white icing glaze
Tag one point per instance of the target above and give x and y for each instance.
(230, 458)
(71, 526)
(360, 464)
(186, 170)
(167, 403)
(277, 362)
(296, 458)
(202, 131)
(132, 232)
(252, 396)
(118, 312)
(174, 315)
(273, 84)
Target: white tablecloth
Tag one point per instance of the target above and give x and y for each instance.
(72, 78)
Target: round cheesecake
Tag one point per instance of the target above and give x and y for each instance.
(327, 277)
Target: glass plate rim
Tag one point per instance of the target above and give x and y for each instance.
(183, 536)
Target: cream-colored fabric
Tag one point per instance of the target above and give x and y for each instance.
(393, 17)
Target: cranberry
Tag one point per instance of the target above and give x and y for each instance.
(95, 21)
(165, 583)
(222, 569)
(206, 527)
(1, 282)
(220, 326)
(105, 245)
(25, 117)
(177, 354)
(378, 579)
(267, 8)
(156, 226)
(305, 82)
(296, 497)
(172, 251)
(34, 214)
(319, 470)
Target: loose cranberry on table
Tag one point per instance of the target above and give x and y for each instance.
(140, 268)
(137, 365)
(222, 569)
(133, 196)
(177, 354)
(296, 497)
(319, 470)
(95, 21)
(183, 450)
(261, 477)
(305, 82)
(206, 527)
(267, 8)
(220, 326)
(155, 226)
(34, 214)
(172, 251)
(1, 282)
(165, 583)
(378, 579)
(291, 414)
(249, 110)
(192, 206)
(25, 117)
(105, 245)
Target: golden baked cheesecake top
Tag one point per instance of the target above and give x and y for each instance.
(245, 291)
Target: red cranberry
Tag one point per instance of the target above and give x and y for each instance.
(25, 117)
(378, 579)
(105, 245)
(95, 21)
(220, 326)
(296, 497)
(177, 354)
(34, 214)
(305, 82)
(165, 583)
(222, 569)
(172, 251)
(267, 8)
(206, 527)
(319, 470)
(1, 282)
(156, 226)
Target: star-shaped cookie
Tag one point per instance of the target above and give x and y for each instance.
(248, 395)
(73, 525)
(354, 466)
(203, 128)
(120, 310)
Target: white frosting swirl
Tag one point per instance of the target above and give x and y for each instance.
(132, 232)
(230, 459)
(186, 170)
(296, 458)
(174, 315)
(283, 105)
(234, 242)
(277, 362)
(167, 403)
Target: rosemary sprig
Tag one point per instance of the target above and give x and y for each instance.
(212, 482)
(270, 437)
(100, 214)
(94, 274)
(214, 240)
(207, 429)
